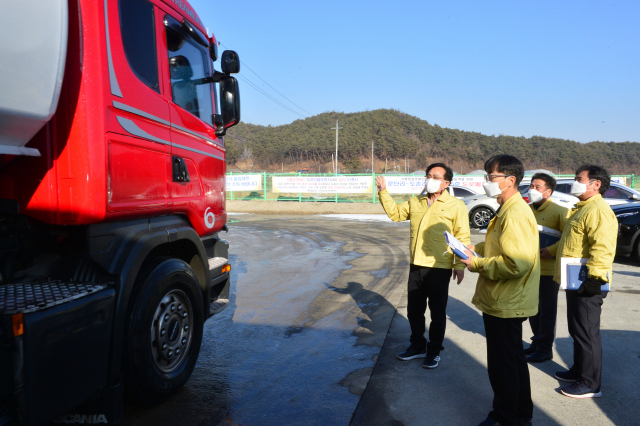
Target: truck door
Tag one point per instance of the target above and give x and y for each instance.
(138, 138)
(197, 187)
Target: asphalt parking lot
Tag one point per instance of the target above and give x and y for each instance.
(318, 313)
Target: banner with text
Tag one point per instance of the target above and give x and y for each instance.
(404, 184)
(473, 182)
(622, 180)
(322, 184)
(244, 182)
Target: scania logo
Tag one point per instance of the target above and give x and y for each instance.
(82, 419)
(209, 218)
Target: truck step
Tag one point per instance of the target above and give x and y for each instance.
(216, 262)
(31, 297)
(218, 306)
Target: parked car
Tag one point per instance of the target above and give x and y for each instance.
(628, 229)
(482, 208)
(462, 192)
(616, 194)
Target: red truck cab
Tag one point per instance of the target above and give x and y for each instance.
(110, 209)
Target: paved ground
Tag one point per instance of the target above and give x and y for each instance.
(313, 329)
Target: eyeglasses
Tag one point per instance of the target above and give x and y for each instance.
(434, 178)
(489, 178)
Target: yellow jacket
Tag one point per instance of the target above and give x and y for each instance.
(428, 246)
(552, 216)
(592, 232)
(510, 269)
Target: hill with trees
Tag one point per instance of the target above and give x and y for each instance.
(396, 136)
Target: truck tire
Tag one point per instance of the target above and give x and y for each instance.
(164, 332)
(480, 217)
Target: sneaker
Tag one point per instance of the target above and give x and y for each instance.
(580, 390)
(490, 422)
(567, 376)
(412, 353)
(539, 357)
(431, 362)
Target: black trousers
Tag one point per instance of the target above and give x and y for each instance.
(430, 284)
(508, 370)
(583, 318)
(543, 324)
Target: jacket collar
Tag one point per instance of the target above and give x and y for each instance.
(585, 202)
(542, 206)
(511, 201)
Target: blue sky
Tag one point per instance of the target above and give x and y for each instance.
(568, 69)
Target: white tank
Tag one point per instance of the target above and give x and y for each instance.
(33, 48)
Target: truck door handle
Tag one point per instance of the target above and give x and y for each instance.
(180, 171)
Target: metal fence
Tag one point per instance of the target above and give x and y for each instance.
(266, 191)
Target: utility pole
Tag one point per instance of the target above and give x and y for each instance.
(371, 156)
(336, 129)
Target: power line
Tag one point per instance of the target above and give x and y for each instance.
(254, 86)
(276, 90)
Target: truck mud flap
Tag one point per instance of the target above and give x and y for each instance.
(60, 346)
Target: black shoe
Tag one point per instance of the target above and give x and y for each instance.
(567, 376)
(531, 349)
(412, 353)
(431, 361)
(539, 357)
(580, 390)
(490, 422)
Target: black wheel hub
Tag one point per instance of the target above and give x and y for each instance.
(171, 331)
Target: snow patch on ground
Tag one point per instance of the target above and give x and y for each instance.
(361, 217)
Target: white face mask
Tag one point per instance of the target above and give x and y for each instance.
(577, 188)
(432, 186)
(535, 196)
(493, 188)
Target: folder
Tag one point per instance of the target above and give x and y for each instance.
(548, 236)
(457, 247)
(573, 272)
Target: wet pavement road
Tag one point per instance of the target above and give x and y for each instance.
(312, 301)
(312, 331)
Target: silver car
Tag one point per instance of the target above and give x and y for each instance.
(482, 208)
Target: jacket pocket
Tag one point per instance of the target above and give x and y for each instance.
(489, 291)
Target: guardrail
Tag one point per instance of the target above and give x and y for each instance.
(342, 188)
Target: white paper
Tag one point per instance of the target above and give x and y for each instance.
(455, 243)
(549, 231)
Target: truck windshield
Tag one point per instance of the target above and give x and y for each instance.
(188, 66)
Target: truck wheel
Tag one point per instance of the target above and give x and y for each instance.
(481, 216)
(164, 332)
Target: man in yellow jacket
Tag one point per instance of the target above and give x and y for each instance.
(555, 217)
(507, 290)
(432, 213)
(591, 233)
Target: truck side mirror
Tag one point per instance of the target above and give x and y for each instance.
(230, 62)
(229, 104)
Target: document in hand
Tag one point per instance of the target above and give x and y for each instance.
(573, 272)
(457, 247)
(548, 236)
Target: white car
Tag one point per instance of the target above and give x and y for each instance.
(462, 192)
(482, 208)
